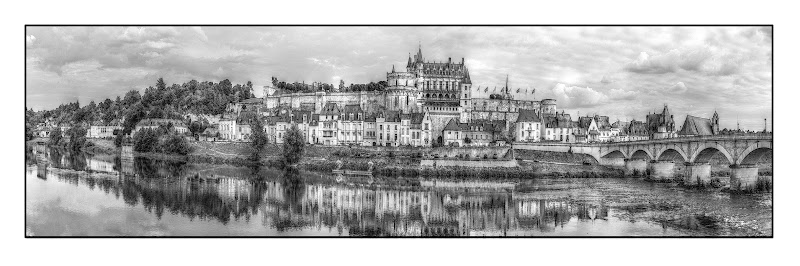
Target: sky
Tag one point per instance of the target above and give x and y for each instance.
(621, 72)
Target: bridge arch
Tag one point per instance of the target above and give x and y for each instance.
(671, 153)
(641, 154)
(706, 151)
(614, 154)
(754, 152)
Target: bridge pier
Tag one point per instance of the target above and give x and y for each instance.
(636, 167)
(697, 174)
(661, 170)
(613, 162)
(744, 177)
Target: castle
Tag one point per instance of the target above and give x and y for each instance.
(441, 90)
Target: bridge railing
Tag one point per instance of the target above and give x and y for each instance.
(752, 136)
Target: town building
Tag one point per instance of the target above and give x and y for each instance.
(104, 130)
(661, 125)
(528, 126)
(155, 123)
(558, 127)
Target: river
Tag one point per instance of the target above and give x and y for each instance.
(104, 195)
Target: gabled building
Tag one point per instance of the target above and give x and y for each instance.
(698, 126)
(420, 128)
(389, 128)
(351, 125)
(452, 134)
(329, 124)
(528, 126)
(370, 131)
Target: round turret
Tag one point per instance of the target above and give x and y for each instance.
(548, 106)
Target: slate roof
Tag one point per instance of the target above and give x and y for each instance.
(417, 118)
(390, 116)
(355, 110)
(453, 125)
(330, 109)
(696, 126)
(528, 116)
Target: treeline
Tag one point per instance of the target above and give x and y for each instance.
(159, 101)
(296, 87)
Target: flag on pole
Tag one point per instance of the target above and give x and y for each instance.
(517, 90)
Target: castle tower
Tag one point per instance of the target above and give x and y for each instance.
(466, 101)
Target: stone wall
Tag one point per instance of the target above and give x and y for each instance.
(473, 152)
(468, 163)
(497, 105)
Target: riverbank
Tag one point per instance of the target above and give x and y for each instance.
(401, 161)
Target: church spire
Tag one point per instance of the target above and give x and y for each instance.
(419, 53)
(392, 68)
(507, 84)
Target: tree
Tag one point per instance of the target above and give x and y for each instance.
(259, 137)
(467, 140)
(160, 84)
(293, 145)
(55, 137)
(145, 140)
(173, 143)
(131, 97)
(77, 137)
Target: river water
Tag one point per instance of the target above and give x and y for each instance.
(84, 195)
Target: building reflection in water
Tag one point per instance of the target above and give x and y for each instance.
(284, 200)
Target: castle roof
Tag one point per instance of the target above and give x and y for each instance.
(696, 126)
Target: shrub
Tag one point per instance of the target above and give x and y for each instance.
(175, 144)
(145, 140)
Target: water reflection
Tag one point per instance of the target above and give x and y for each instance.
(289, 201)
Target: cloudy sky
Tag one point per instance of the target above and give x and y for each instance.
(622, 72)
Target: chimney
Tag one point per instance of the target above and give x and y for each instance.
(462, 60)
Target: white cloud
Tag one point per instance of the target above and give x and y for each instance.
(200, 32)
(700, 60)
(678, 88)
(29, 40)
(574, 96)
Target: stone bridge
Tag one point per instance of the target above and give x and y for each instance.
(658, 157)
